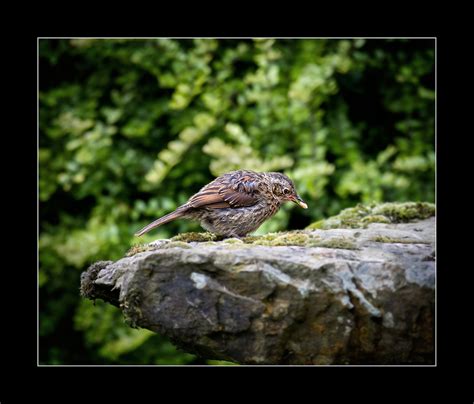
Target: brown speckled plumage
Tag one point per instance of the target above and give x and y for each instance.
(235, 203)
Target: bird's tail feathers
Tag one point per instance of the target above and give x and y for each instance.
(162, 220)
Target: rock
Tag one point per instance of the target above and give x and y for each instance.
(359, 295)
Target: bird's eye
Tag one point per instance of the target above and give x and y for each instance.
(286, 191)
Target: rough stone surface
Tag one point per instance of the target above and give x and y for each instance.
(263, 300)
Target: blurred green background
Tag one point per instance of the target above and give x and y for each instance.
(129, 129)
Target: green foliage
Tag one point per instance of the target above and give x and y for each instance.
(129, 129)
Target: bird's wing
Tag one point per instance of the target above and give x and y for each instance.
(227, 192)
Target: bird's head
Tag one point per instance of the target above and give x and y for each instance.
(284, 189)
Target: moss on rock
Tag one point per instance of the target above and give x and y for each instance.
(283, 239)
(138, 248)
(196, 237)
(405, 212)
(334, 242)
(291, 238)
(250, 239)
(233, 240)
(385, 239)
(374, 219)
(362, 215)
(301, 238)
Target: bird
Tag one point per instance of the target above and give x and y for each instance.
(235, 203)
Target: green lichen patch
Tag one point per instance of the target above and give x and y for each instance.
(334, 242)
(131, 308)
(261, 240)
(176, 244)
(301, 238)
(405, 212)
(138, 248)
(292, 238)
(347, 218)
(233, 240)
(283, 239)
(361, 216)
(250, 239)
(194, 237)
(374, 219)
(385, 239)
(269, 236)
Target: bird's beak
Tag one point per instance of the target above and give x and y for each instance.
(297, 199)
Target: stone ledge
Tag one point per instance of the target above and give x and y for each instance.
(337, 296)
